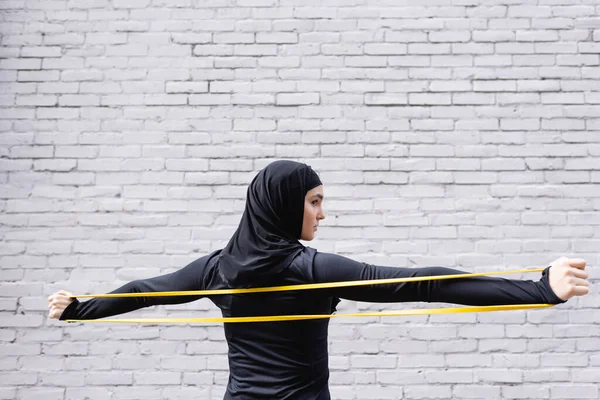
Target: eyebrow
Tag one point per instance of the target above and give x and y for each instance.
(317, 195)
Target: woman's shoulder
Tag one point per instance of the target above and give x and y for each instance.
(306, 257)
(304, 264)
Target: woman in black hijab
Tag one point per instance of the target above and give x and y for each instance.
(289, 360)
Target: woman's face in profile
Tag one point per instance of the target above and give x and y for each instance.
(313, 212)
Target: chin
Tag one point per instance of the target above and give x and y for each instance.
(309, 238)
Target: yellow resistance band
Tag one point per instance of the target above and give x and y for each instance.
(275, 318)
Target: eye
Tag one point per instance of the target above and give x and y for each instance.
(315, 202)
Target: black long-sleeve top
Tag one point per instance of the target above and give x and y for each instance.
(289, 360)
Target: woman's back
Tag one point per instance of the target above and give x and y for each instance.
(277, 360)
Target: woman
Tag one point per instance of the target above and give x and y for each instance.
(288, 360)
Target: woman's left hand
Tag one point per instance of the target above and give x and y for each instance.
(57, 303)
(568, 278)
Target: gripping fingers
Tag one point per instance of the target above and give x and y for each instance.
(57, 303)
(580, 282)
(581, 290)
(55, 311)
(578, 286)
(578, 273)
(578, 263)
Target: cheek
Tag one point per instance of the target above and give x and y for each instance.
(309, 214)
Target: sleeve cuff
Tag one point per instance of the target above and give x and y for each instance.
(70, 311)
(554, 299)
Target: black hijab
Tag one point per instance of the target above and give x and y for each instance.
(266, 240)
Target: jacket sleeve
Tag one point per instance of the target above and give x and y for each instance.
(476, 291)
(187, 278)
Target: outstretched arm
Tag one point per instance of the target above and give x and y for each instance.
(187, 278)
(468, 291)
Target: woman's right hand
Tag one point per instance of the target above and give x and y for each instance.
(57, 302)
(568, 278)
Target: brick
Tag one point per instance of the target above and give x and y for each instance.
(472, 48)
(561, 360)
(426, 48)
(579, 391)
(476, 391)
(526, 391)
(157, 378)
(277, 37)
(420, 360)
(41, 51)
(31, 151)
(362, 86)
(378, 362)
(492, 60)
(10, 349)
(78, 100)
(449, 376)
(93, 393)
(109, 378)
(37, 76)
(450, 86)
(21, 63)
(80, 75)
(187, 87)
(385, 99)
(541, 375)
(291, 99)
(39, 393)
(472, 98)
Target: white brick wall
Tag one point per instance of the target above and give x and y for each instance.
(461, 134)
